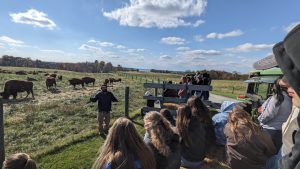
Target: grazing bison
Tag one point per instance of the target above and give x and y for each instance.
(46, 74)
(59, 77)
(106, 81)
(31, 79)
(21, 72)
(12, 87)
(53, 75)
(88, 80)
(118, 80)
(50, 82)
(75, 81)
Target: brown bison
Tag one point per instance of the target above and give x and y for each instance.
(88, 80)
(50, 82)
(31, 79)
(21, 72)
(12, 87)
(75, 81)
(59, 77)
(106, 81)
(46, 74)
(53, 75)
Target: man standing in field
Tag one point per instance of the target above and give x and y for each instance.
(104, 99)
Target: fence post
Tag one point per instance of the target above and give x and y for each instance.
(232, 89)
(126, 101)
(2, 151)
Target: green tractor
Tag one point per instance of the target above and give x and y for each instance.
(260, 84)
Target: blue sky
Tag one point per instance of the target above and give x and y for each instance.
(162, 34)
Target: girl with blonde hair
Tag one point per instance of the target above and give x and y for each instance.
(19, 161)
(247, 146)
(124, 149)
(164, 141)
(193, 139)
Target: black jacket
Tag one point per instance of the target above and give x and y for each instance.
(173, 161)
(104, 100)
(195, 150)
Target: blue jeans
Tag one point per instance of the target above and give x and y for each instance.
(189, 164)
(272, 163)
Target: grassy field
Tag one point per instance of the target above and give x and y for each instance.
(59, 128)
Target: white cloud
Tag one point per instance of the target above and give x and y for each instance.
(249, 47)
(120, 47)
(33, 17)
(158, 13)
(11, 42)
(172, 41)
(198, 23)
(53, 51)
(197, 54)
(198, 38)
(165, 57)
(92, 49)
(135, 50)
(233, 33)
(101, 43)
(182, 48)
(289, 27)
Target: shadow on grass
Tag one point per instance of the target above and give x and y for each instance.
(17, 101)
(54, 90)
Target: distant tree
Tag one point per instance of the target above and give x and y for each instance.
(108, 67)
(101, 66)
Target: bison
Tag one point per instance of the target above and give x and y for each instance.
(12, 87)
(75, 81)
(59, 77)
(88, 80)
(50, 82)
(21, 72)
(46, 74)
(31, 79)
(53, 75)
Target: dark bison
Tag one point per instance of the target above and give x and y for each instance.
(50, 82)
(12, 87)
(21, 72)
(53, 75)
(31, 79)
(75, 81)
(106, 81)
(118, 80)
(46, 74)
(59, 77)
(88, 80)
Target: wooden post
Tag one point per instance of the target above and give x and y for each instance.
(126, 101)
(2, 150)
(232, 89)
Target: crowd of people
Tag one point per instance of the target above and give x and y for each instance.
(198, 79)
(168, 143)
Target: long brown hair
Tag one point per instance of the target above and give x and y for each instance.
(200, 110)
(241, 125)
(123, 146)
(184, 115)
(160, 131)
(19, 160)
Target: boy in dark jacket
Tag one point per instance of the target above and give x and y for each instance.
(104, 99)
(287, 54)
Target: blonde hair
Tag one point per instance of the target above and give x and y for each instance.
(123, 146)
(241, 125)
(160, 131)
(19, 161)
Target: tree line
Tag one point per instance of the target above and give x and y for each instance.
(90, 67)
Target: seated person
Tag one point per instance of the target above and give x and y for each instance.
(220, 120)
(247, 147)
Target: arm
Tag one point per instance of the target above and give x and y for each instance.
(269, 110)
(95, 97)
(113, 98)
